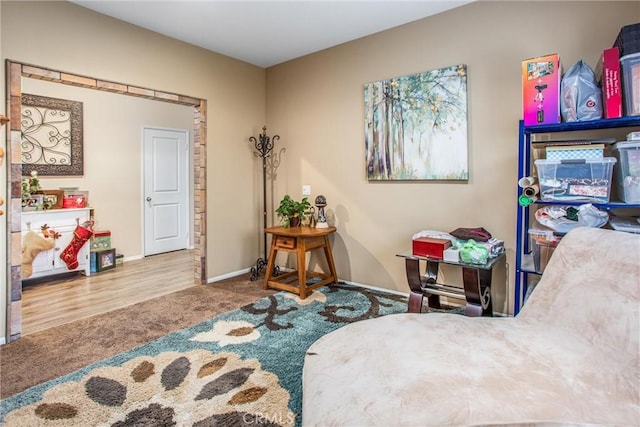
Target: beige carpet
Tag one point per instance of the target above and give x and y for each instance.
(49, 354)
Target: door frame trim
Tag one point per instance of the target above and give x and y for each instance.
(15, 72)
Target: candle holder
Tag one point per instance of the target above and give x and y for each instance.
(320, 203)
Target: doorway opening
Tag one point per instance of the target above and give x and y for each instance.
(16, 71)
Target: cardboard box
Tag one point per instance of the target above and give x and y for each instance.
(430, 247)
(570, 152)
(541, 255)
(608, 74)
(452, 255)
(541, 90)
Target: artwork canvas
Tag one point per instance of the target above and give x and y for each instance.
(51, 136)
(416, 126)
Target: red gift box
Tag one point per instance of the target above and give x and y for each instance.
(74, 201)
(430, 247)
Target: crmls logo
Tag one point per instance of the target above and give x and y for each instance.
(260, 418)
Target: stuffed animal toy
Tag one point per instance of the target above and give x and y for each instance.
(34, 243)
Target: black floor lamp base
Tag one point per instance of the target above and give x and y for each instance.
(259, 269)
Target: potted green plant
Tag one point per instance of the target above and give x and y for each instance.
(30, 186)
(292, 212)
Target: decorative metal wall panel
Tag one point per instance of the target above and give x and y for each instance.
(51, 140)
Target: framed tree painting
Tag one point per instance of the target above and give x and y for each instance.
(416, 126)
(51, 136)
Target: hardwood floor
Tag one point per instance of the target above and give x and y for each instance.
(47, 303)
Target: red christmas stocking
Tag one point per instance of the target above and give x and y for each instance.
(81, 234)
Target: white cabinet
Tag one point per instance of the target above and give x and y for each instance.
(63, 221)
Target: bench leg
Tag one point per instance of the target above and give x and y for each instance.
(415, 288)
(477, 291)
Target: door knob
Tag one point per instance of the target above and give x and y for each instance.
(148, 199)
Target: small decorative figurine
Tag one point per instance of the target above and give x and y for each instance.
(321, 202)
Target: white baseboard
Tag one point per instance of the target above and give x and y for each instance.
(228, 275)
(376, 288)
(2, 341)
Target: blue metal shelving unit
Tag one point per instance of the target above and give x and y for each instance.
(524, 262)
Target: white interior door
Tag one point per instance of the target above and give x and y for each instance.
(166, 190)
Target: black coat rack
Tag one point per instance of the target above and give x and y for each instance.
(263, 147)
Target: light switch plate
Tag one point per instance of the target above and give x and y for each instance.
(306, 190)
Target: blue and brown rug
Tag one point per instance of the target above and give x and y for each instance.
(243, 367)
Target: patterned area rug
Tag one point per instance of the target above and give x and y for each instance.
(243, 367)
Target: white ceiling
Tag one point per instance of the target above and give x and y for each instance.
(266, 33)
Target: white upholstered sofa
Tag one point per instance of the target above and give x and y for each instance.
(571, 357)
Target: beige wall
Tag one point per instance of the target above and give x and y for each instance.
(316, 104)
(91, 44)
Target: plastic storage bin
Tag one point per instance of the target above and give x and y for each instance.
(575, 180)
(628, 224)
(627, 177)
(543, 243)
(630, 66)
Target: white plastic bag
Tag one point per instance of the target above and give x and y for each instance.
(580, 95)
(555, 217)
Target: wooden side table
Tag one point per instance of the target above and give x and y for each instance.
(299, 240)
